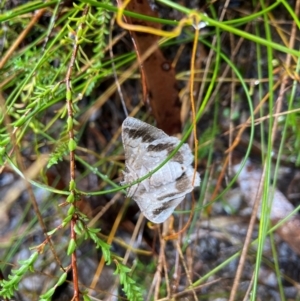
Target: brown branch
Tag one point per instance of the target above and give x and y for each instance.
(76, 295)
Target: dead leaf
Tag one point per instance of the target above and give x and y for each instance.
(158, 74)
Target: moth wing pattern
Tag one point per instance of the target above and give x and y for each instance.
(158, 212)
(146, 147)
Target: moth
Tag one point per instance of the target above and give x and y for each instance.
(146, 147)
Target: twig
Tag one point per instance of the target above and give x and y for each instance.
(72, 152)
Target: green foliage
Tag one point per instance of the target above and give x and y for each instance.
(105, 248)
(86, 297)
(60, 151)
(71, 247)
(2, 153)
(47, 296)
(99, 19)
(72, 145)
(206, 139)
(292, 124)
(130, 287)
(33, 87)
(9, 286)
(4, 140)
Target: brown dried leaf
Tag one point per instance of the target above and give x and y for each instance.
(157, 72)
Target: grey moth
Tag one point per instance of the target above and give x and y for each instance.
(146, 147)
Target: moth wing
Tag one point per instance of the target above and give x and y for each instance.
(184, 155)
(160, 149)
(145, 148)
(136, 135)
(158, 204)
(185, 183)
(136, 132)
(161, 213)
(177, 170)
(157, 211)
